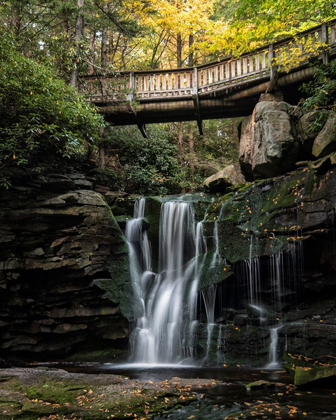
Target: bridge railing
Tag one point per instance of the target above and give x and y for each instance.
(292, 52)
(258, 64)
(164, 83)
(107, 88)
(233, 70)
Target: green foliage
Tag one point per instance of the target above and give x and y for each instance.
(219, 145)
(39, 113)
(253, 23)
(321, 90)
(141, 166)
(321, 93)
(152, 166)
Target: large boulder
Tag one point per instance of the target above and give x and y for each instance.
(325, 142)
(309, 126)
(224, 179)
(268, 145)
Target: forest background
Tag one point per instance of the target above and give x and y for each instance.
(47, 47)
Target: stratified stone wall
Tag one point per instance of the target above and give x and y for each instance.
(58, 242)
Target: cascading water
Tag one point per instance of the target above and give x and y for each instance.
(273, 350)
(252, 267)
(220, 357)
(167, 311)
(277, 275)
(166, 301)
(209, 296)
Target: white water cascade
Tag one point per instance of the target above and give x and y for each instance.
(209, 296)
(166, 312)
(273, 350)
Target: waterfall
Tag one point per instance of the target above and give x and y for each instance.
(209, 298)
(286, 270)
(220, 356)
(139, 254)
(273, 350)
(277, 275)
(252, 270)
(166, 318)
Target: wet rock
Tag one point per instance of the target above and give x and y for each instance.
(246, 147)
(240, 319)
(57, 238)
(66, 328)
(308, 375)
(325, 142)
(224, 179)
(260, 384)
(309, 127)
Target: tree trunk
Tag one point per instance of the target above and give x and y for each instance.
(180, 143)
(103, 52)
(102, 159)
(92, 52)
(191, 53)
(180, 124)
(179, 50)
(78, 37)
(102, 155)
(16, 19)
(191, 150)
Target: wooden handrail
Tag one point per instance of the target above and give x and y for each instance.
(208, 77)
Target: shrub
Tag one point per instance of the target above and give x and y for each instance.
(39, 113)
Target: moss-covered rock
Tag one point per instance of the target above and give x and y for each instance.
(52, 393)
(270, 213)
(308, 375)
(260, 384)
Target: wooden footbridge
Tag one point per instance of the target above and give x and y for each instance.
(222, 89)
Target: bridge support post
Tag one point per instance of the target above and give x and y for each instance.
(271, 57)
(274, 74)
(195, 99)
(141, 126)
(132, 81)
(324, 39)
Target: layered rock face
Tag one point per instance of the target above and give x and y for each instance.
(277, 242)
(59, 241)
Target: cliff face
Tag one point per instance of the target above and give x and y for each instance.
(277, 281)
(276, 238)
(59, 245)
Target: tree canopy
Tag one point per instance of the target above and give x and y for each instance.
(144, 34)
(47, 45)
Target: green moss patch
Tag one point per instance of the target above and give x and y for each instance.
(55, 392)
(307, 375)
